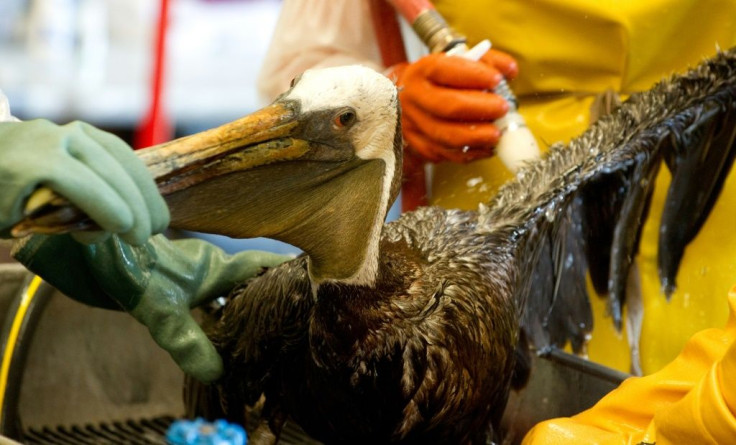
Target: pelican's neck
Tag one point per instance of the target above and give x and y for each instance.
(366, 271)
(374, 147)
(349, 250)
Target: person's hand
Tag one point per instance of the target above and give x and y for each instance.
(93, 169)
(448, 106)
(157, 283)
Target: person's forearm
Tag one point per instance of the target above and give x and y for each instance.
(205, 269)
(316, 33)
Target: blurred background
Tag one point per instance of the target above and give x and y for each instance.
(93, 60)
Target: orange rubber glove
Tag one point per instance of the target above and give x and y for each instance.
(447, 108)
(691, 400)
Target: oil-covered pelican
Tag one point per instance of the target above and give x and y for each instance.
(424, 352)
(411, 336)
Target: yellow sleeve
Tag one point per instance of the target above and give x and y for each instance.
(706, 414)
(691, 400)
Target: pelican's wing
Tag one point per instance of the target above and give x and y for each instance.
(581, 209)
(263, 321)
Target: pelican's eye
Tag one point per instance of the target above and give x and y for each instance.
(344, 118)
(295, 81)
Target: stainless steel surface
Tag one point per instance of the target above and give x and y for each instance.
(88, 365)
(560, 385)
(6, 441)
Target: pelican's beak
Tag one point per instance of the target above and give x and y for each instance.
(261, 138)
(292, 171)
(258, 139)
(270, 174)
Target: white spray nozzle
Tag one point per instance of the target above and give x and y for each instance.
(517, 144)
(474, 53)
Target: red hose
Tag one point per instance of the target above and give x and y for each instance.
(410, 9)
(391, 46)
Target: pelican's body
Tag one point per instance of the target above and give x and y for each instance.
(422, 356)
(425, 352)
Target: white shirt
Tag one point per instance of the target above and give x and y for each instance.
(5, 115)
(315, 34)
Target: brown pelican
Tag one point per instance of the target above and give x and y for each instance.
(427, 353)
(413, 337)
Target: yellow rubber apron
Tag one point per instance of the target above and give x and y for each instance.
(569, 52)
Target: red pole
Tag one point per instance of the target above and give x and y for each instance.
(156, 126)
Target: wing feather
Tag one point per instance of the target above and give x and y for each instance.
(687, 122)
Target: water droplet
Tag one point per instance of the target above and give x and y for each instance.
(472, 182)
(550, 213)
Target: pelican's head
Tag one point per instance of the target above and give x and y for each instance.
(318, 168)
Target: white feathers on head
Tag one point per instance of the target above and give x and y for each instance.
(374, 98)
(372, 95)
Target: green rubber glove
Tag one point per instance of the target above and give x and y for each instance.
(93, 169)
(157, 283)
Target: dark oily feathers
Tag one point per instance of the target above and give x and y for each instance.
(598, 222)
(267, 328)
(703, 155)
(556, 310)
(426, 355)
(253, 333)
(687, 120)
(627, 231)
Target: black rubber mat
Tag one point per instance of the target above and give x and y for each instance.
(130, 432)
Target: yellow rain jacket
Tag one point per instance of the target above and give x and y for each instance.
(568, 52)
(692, 400)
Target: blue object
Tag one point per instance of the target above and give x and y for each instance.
(201, 432)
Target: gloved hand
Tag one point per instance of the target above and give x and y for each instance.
(93, 169)
(725, 371)
(157, 283)
(447, 108)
